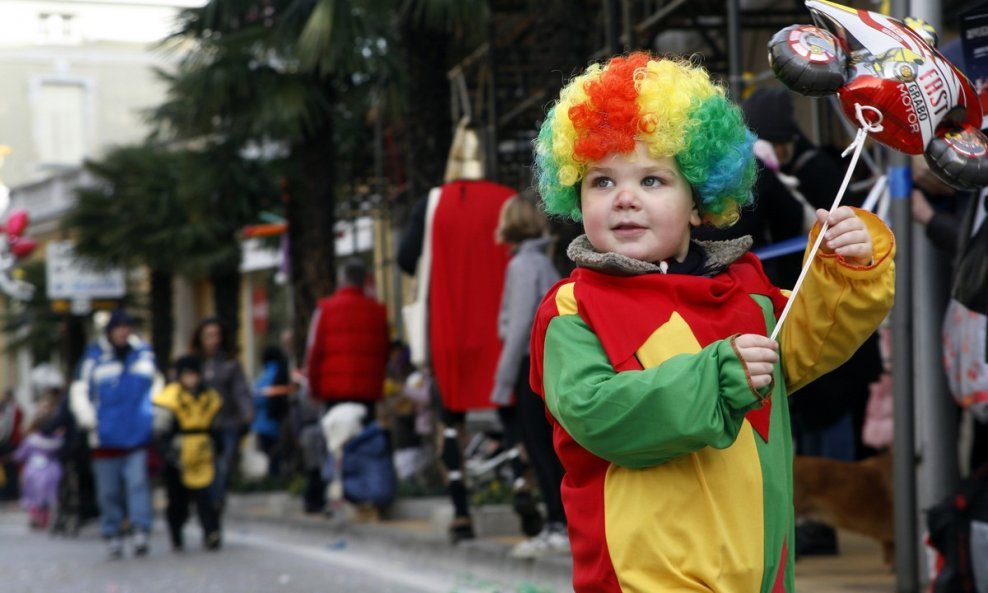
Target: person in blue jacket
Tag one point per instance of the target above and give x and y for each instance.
(112, 399)
(271, 392)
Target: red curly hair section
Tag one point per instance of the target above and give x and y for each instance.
(608, 121)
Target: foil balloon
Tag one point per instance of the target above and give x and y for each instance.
(875, 62)
(13, 245)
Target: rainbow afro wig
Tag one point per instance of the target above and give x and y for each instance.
(671, 106)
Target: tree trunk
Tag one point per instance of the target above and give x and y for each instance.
(561, 47)
(162, 318)
(75, 342)
(226, 300)
(309, 209)
(427, 107)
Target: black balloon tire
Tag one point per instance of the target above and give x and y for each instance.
(957, 168)
(803, 75)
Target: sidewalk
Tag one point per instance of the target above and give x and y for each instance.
(420, 523)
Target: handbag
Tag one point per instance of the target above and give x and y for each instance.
(415, 315)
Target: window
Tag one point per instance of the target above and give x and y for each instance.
(58, 28)
(61, 123)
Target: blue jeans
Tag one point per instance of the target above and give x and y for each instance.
(123, 490)
(230, 443)
(833, 442)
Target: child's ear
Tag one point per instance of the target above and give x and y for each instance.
(695, 218)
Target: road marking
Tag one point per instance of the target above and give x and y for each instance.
(422, 582)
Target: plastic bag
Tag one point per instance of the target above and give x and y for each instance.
(253, 462)
(964, 358)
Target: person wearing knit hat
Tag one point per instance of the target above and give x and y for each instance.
(117, 318)
(112, 400)
(769, 113)
(668, 401)
(185, 414)
(187, 363)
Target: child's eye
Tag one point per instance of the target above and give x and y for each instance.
(602, 181)
(651, 181)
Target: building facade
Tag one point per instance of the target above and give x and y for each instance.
(76, 78)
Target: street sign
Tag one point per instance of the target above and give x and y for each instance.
(74, 278)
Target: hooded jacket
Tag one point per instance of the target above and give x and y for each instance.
(112, 395)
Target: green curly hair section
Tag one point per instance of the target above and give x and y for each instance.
(558, 199)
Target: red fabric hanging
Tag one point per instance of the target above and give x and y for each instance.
(465, 288)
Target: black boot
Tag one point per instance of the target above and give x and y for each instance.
(528, 513)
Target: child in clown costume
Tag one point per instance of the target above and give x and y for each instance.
(667, 399)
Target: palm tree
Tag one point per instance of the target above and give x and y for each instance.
(32, 324)
(272, 74)
(561, 48)
(156, 208)
(432, 35)
(119, 222)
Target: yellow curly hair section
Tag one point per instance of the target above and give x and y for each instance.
(668, 92)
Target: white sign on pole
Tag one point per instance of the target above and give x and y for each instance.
(71, 277)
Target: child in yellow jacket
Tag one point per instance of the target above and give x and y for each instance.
(184, 413)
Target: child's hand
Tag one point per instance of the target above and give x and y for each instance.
(759, 355)
(847, 236)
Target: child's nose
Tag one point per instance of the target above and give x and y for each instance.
(626, 198)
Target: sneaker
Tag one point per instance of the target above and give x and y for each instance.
(528, 513)
(552, 540)
(114, 547)
(141, 543)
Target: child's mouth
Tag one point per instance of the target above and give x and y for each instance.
(627, 229)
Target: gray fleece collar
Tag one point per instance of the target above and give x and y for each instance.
(719, 255)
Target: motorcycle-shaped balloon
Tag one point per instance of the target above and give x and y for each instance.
(885, 66)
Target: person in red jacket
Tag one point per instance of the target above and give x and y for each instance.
(348, 344)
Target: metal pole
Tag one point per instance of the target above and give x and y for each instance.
(903, 462)
(627, 38)
(734, 49)
(612, 20)
(490, 138)
(904, 415)
(936, 430)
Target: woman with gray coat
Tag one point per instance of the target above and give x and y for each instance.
(530, 275)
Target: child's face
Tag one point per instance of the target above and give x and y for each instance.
(189, 379)
(638, 206)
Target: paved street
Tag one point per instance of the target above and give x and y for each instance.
(255, 558)
(296, 554)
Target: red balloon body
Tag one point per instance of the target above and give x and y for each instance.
(16, 223)
(23, 247)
